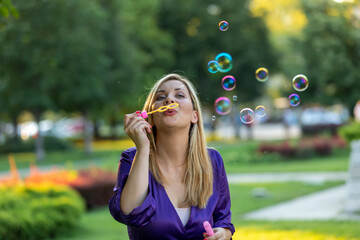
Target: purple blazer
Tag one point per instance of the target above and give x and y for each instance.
(156, 217)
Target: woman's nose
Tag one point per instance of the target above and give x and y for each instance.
(169, 100)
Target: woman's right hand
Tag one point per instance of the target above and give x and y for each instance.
(136, 127)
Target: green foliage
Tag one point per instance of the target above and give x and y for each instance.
(350, 132)
(15, 144)
(29, 212)
(330, 46)
(7, 8)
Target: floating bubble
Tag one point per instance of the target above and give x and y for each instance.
(228, 83)
(225, 62)
(294, 100)
(213, 66)
(260, 111)
(262, 74)
(234, 98)
(222, 105)
(223, 25)
(300, 82)
(213, 118)
(247, 115)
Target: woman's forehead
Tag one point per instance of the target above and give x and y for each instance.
(172, 85)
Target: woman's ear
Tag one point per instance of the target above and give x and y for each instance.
(195, 117)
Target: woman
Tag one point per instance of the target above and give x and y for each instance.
(170, 183)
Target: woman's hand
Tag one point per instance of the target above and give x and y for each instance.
(219, 234)
(136, 127)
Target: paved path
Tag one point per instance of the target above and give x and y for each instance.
(328, 204)
(324, 205)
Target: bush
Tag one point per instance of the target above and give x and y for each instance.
(350, 132)
(305, 148)
(15, 144)
(95, 186)
(38, 212)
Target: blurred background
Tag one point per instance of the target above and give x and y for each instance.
(71, 70)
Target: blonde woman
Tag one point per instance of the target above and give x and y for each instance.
(170, 183)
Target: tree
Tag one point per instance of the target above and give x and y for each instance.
(331, 43)
(53, 59)
(139, 52)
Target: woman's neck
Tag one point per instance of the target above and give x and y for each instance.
(172, 148)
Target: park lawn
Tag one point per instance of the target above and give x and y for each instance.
(98, 224)
(242, 157)
(239, 157)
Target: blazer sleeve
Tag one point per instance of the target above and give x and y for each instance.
(139, 216)
(222, 213)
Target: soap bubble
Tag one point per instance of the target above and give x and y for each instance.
(294, 100)
(225, 62)
(213, 66)
(262, 74)
(234, 98)
(300, 82)
(213, 118)
(223, 25)
(260, 111)
(222, 105)
(247, 115)
(228, 82)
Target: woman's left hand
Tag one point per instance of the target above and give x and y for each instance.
(219, 234)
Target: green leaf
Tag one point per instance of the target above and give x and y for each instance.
(4, 11)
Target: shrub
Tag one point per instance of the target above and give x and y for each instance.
(95, 186)
(350, 132)
(37, 212)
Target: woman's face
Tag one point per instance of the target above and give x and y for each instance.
(174, 91)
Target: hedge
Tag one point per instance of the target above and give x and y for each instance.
(38, 212)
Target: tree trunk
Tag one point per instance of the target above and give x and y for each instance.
(113, 125)
(39, 141)
(88, 133)
(15, 125)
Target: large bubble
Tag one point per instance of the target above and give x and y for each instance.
(222, 105)
(262, 74)
(247, 115)
(228, 82)
(294, 100)
(225, 62)
(300, 82)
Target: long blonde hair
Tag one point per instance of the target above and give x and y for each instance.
(198, 176)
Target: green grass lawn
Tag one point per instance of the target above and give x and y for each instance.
(99, 224)
(238, 157)
(242, 157)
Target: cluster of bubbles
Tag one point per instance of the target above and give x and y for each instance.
(222, 63)
(223, 105)
(300, 83)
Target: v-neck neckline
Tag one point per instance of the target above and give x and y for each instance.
(174, 210)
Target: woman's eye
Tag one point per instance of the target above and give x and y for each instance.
(159, 98)
(180, 96)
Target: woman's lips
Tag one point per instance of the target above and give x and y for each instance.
(170, 112)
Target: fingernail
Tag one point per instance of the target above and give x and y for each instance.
(137, 112)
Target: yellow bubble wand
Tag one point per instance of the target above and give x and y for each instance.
(144, 114)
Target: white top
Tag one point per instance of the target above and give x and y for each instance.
(184, 214)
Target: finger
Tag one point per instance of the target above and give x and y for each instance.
(139, 127)
(132, 120)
